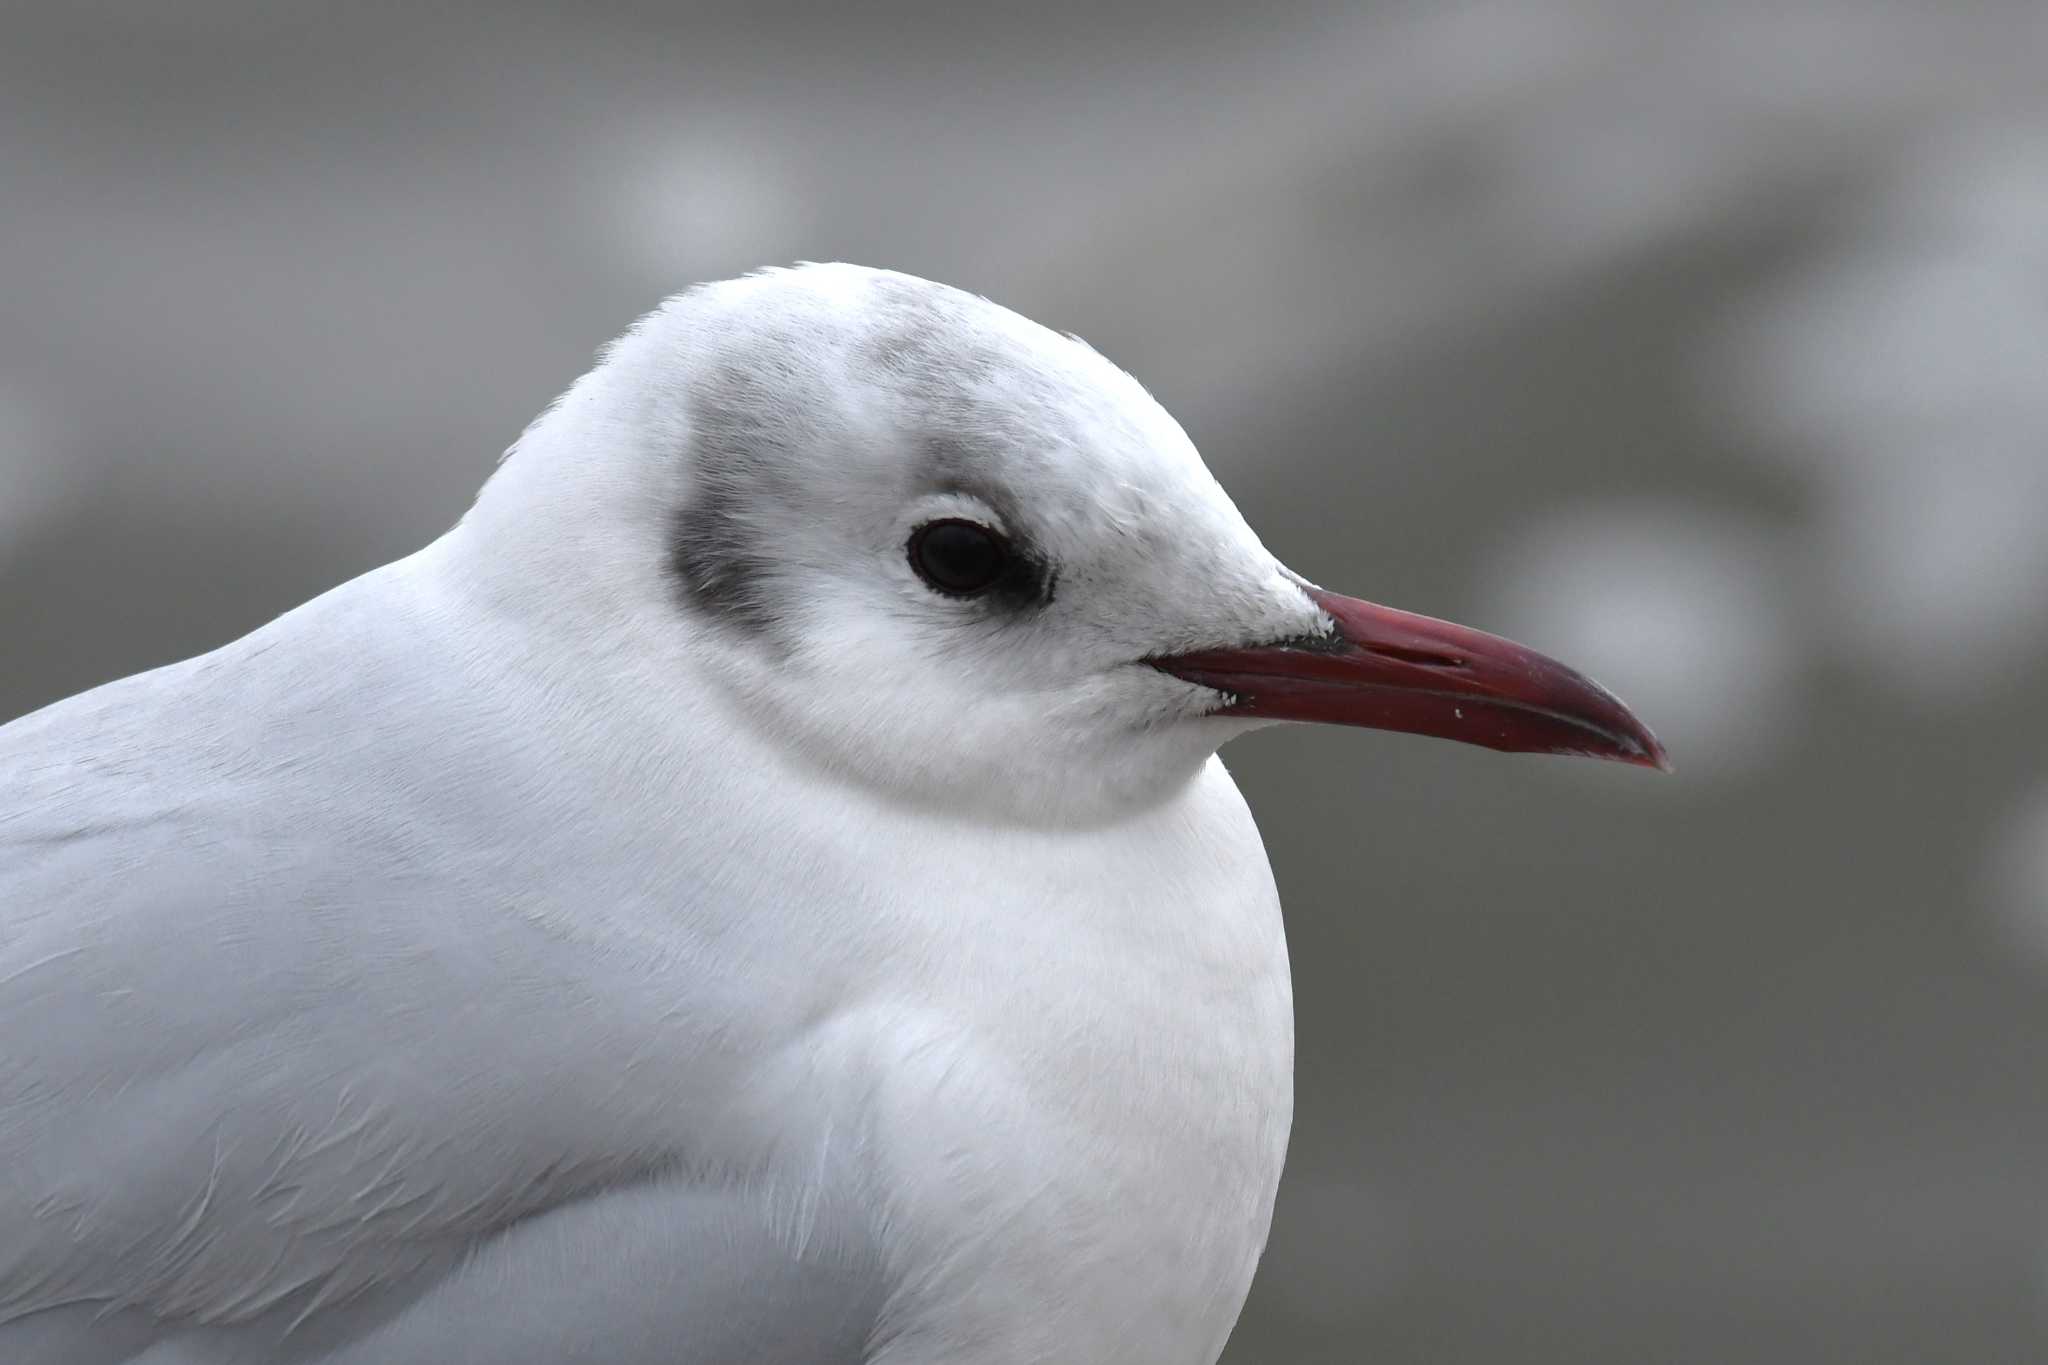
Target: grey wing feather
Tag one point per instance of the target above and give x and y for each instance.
(676, 1275)
(645, 1275)
(255, 1108)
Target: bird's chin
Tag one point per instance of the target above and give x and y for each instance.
(1219, 721)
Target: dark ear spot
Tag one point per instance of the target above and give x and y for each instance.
(717, 567)
(738, 442)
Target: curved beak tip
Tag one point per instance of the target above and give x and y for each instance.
(1650, 754)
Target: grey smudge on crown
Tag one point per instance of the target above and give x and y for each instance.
(915, 341)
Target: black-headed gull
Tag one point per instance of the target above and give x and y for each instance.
(760, 889)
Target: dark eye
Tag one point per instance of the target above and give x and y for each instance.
(959, 558)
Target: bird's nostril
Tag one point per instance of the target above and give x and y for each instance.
(1425, 657)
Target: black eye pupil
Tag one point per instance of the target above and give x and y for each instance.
(958, 557)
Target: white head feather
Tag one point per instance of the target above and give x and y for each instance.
(734, 488)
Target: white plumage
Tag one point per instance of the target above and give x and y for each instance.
(515, 955)
(760, 889)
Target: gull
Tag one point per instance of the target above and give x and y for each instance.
(761, 888)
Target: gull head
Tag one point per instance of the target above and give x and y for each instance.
(918, 541)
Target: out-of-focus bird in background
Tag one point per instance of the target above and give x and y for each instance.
(760, 888)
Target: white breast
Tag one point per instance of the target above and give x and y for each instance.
(1057, 1065)
(1082, 1105)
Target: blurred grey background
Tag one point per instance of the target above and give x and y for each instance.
(1706, 346)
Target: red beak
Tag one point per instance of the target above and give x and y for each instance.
(1392, 670)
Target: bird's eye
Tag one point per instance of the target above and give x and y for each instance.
(958, 558)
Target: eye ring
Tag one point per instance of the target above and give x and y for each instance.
(959, 558)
